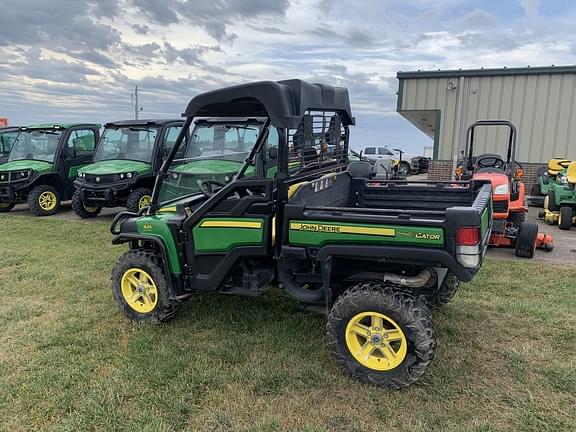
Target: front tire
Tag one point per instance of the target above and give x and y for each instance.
(44, 200)
(565, 218)
(139, 199)
(83, 210)
(551, 203)
(141, 289)
(381, 335)
(526, 240)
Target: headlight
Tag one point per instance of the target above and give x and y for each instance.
(174, 176)
(501, 189)
(129, 175)
(81, 174)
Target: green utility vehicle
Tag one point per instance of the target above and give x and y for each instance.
(43, 163)
(370, 253)
(127, 159)
(561, 199)
(7, 137)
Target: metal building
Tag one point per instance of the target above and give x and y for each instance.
(538, 100)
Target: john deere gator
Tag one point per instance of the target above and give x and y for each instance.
(43, 163)
(372, 254)
(127, 159)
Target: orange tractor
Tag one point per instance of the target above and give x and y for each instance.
(509, 204)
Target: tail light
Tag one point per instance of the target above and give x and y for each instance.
(468, 251)
(467, 236)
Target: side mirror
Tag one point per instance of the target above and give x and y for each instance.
(273, 153)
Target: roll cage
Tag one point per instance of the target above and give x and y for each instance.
(312, 122)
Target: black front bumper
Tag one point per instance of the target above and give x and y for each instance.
(13, 192)
(108, 194)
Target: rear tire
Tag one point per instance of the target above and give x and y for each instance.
(565, 218)
(154, 305)
(517, 218)
(526, 240)
(408, 331)
(437, 297)
(138, 199)
(552, 206)
(81, 209)
(6, 207)
(44, 200)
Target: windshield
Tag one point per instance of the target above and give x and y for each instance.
(131, 143)
(7, 138)
(216, 152)
(35, 144)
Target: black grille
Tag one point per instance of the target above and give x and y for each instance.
(99, 179)
(499, 206)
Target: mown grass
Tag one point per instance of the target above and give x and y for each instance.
(70, 361)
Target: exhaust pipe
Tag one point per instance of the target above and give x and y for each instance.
(417, 281)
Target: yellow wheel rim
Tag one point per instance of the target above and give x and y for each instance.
(4, 205)
(144, 201)
(47, 200)
(560, 218)
(376, 341)
(546, 203)
(90, 209)
(139, 290)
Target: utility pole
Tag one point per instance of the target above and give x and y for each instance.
(137, 107)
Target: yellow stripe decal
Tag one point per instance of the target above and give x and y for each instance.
(342, 229)
(168, 209)
(230, 224)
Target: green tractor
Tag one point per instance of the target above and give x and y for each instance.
(7, 137)
(43, 163)
(547, 176)
(127, 159)
(263, 194)
(560, 204)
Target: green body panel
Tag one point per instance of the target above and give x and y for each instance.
(332, 232)
(485, 220)
(219, 239)
(24, 164)
(212, 166)
(564, 194)
(156, 226)
(116, 166)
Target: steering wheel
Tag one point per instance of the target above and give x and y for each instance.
(206, 187)
(490, 162)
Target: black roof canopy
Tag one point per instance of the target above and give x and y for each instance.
(285, 102)
(141, 123)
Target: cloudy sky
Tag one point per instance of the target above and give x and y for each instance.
(63, 60)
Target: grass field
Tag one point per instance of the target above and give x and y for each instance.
(70, 361)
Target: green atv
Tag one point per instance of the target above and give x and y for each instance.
(43, 163)
(561, 199)
(373, 254)
(7, 137)
(127, 159)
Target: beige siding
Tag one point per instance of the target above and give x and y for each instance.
(541, 107)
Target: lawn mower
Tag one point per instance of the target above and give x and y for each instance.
(560, 203)
(509, 204)
(547, 176)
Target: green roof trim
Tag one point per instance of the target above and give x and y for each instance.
(547, 70)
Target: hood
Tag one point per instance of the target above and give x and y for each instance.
(210, 166)
(19, 165)
(115, 166)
